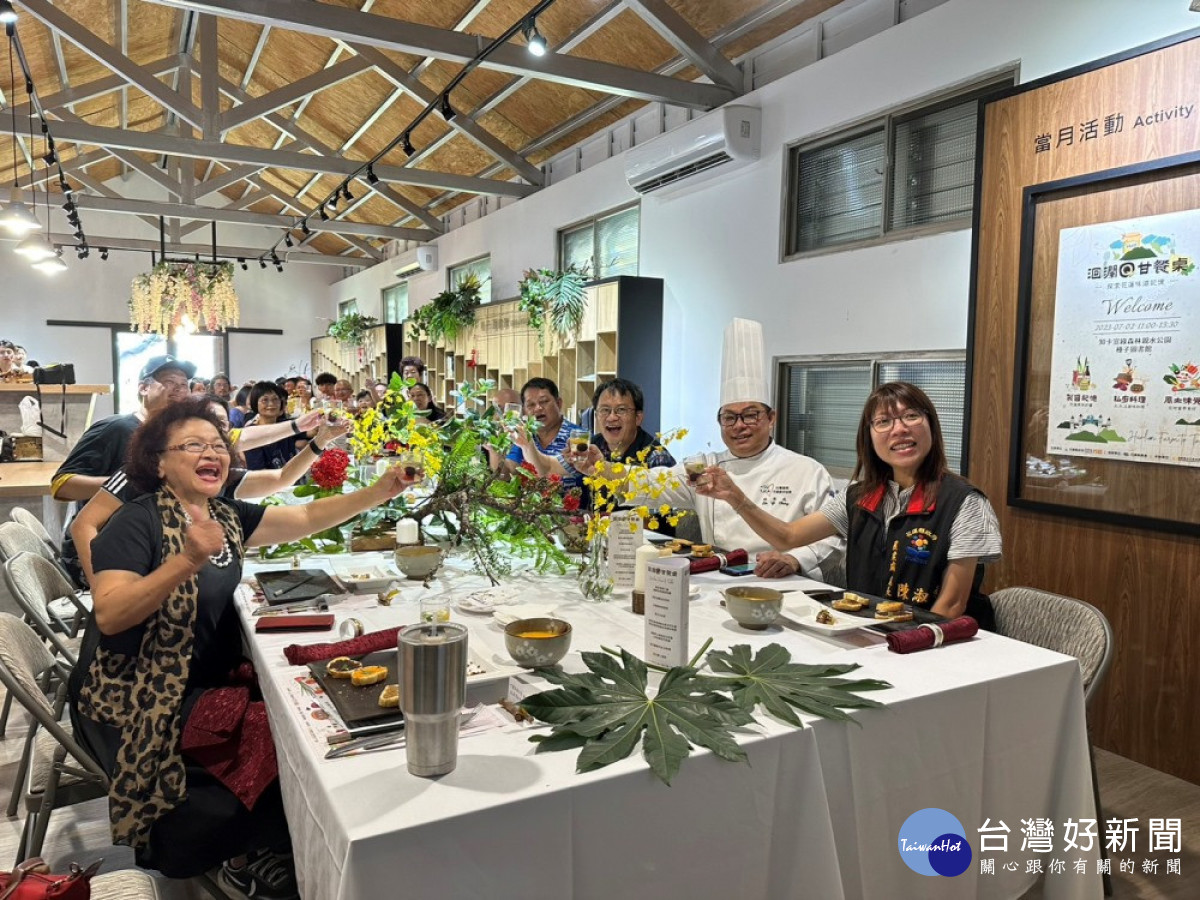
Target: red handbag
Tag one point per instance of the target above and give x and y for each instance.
(31, 880)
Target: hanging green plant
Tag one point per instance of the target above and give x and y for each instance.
(607, 710)
(351, 329)
(447, 314)
(554, 296)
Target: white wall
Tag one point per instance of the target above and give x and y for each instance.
(717, 248)
(296, 301)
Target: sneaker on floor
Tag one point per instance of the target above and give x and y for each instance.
(267, 876)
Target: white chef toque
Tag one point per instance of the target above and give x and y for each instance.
(744, 364)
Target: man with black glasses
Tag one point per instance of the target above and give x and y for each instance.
(779, 480)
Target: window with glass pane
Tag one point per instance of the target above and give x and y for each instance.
(481, 269)
(906, 170)
(604, 247)
(823, 401)
(839, 195)
(821, 411)
(346, 307)
(934, 166)
(395, 303)
(617, 244)
(577, 247)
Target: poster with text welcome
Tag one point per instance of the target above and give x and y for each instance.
(1125, 362)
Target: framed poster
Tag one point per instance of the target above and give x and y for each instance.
(1106, 413)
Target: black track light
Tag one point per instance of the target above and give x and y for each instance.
(69, 205)
(8, 15)
(332, 202)
(408, 147)
(278, 266)
(534, 42)
(346, 195)
(50, 158)
(321, 210)
(446, 109)
(372, 178)
(262, 263)
(104, 254)
(287, 239)
(304, 227)
(242, 262)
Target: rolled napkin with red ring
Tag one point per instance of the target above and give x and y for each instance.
(303, 654)
(719, 561)
(929, 635)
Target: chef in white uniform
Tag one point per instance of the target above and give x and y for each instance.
(779, 480)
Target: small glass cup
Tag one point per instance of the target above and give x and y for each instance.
(435, 608)
(694, 466)
(412, 464)
(578, 442)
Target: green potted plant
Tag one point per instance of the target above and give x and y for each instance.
(449, 312)
(351, 329)
(555, 296)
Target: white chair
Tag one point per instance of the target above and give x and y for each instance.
(60, 772)
(1068, 626)
(22, 516)
(69, 612)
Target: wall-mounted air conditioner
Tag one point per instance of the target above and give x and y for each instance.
(716, 144)
(418, 259)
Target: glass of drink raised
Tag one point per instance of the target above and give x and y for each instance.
(694, 466)
(578, 442)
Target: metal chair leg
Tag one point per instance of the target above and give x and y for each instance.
(14, 802)
(4, 716)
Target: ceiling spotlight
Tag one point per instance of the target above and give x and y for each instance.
(346, 195)
(241, 261)
(69, 206)
(278, 266)
(104, 254)
(83, 251)
(262, 263)
(304, 226)
(372, 178)
(8, 15)
(446, 109)
(408, 147)
(534, 42)
(321, 210)
(287, 238)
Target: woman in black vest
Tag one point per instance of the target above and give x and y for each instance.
(914, 531)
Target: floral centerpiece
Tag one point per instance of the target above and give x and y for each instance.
(177, 293)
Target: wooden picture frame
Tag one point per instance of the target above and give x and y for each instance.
(1134, 493)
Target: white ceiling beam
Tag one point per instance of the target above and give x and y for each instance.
(63, 78)
(386, 33)
(258, 49)
(678, 32)
(157, 142)
(141, 78)
(126, 206)
(204, 251)
(99, 187)
(256, 107)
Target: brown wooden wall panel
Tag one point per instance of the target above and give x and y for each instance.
(1146, 582)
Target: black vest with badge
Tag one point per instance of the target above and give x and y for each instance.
(908, 560)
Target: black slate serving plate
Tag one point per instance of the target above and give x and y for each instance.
(920, 614)
(296, 585)
(360, 704)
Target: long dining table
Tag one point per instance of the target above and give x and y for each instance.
(990, 730)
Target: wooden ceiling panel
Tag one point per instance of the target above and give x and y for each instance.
(288, 56)
(439, 13)
(710, 16)
(151, 28)
(627, 41)
(539, 106)
(459, 154)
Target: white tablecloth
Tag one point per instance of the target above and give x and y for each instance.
(987, 729)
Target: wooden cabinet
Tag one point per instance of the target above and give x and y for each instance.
(378, 357)
(621, 334)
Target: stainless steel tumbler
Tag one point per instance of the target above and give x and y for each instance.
(433, 688)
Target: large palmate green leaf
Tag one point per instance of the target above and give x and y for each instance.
(770, 678)
(607, 711)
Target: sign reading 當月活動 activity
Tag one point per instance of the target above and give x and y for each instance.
(1125, 364)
